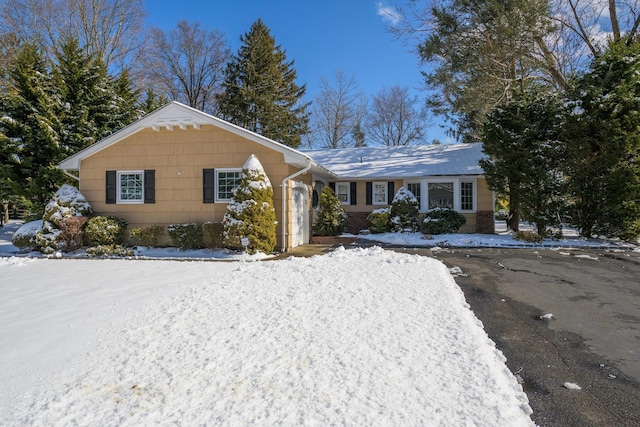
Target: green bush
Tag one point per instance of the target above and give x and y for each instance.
(442, 221)
(25, 237)
(186, 236)
(331, 216)
(106, 230)
(147, 236)
(404, 212)
(109, 251)
(251, 214)
(213, 235)
(528, 236)
(380, 221)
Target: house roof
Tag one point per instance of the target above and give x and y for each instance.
(414, 161)
(175, 115)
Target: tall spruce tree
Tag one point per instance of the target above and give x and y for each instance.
(128, 108)
(88, 100)
(29, 124)
(602, 134)
(260, 90)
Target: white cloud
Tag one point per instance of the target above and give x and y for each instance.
(389, 14)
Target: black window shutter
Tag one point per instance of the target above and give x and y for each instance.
(111, 187)
(332, 185)
(353, 193)
(369, 186)
(390, 191)
(150, 186)
(208, 185)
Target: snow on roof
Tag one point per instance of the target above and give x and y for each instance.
(401, 162)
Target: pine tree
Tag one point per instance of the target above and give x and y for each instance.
(521, 141)
(30, 124)
(89, 108)
(126, 98)
(260, 92)
(603, 145)
(251, 213)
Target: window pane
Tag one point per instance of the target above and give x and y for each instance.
(227, 181)
(440, 195)
(414, 187)
(380, 193)
(131, 187)
(342, 191)
(466, 196)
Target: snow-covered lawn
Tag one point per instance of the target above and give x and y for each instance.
(356, 337)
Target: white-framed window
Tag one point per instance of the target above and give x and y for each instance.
(415, 188)
(343, 191)
(441, 195)
(226, 180)
(380, 196)
(467, 196)
(130, 187)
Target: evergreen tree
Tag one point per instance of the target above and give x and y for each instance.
(126, 98)
(521, 141)
(602, 134)
(331, 216)
(251, 213)
(151, 101)
(89, 108)
(404, 212)
(260, 92)
(29, 124)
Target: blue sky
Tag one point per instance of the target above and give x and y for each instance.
(320, 36)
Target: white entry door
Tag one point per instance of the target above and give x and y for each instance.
(300, 215)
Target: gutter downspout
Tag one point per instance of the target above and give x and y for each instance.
(77, 178)
(284, 202)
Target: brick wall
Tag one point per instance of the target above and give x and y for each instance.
(485, 222)
(357, 221)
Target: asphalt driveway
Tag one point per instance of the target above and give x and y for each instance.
(592, 340)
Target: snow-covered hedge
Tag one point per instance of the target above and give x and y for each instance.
(380, 220)
(25, 237)
(68, 202)
(442, 220)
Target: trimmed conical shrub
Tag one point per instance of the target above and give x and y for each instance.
(251, 214)
(331, 217)
(404, 212)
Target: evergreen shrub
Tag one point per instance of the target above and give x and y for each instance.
(106, 230)
(442, 220)
(109, 251)
(186, 236)
(147, 236)
(331, 216)
(528, 236)
(213, 235)
(380, 220)
(404, 212)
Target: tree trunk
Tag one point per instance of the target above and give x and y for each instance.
(513, 220)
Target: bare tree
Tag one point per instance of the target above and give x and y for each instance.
(337, 110)
(110, 29)
(394, 118)
(187, 64)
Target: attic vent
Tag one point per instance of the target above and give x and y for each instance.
(174, 122)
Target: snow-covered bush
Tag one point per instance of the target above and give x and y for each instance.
(25, 237)
(404, 212)
(442, 220)
(380, 220)
(66, 203)
(186, 236)
(106, 230)
(213, 235)
(147, 236)
(71, 233)
(251, 214)
(331, 216)
(528, 236)
(109, 251)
